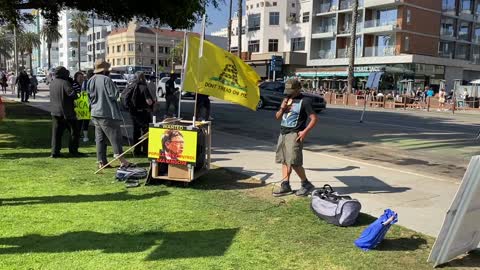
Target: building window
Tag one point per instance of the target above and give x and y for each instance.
(89, 58)
(152, 62)
(113, 62)
(130, 60)
(298, 44)
(247, 7)
(167, 50)
(253, 22)
(118, 48)
(306, 17)
(98, 35)
(406, 45)
(273, 45)
(274, 4)
(251, 6)
(113, 49)
(119, 61)
(254, 45)
(124, 48)
(447, 27)
(103, 45)
(130, 47)
(258, 5)
(89, 47)
(160, 49)
(274, 18)
(293, 18)
(409, 16)
(466, 6)
(462, 51)
(139, 47)
(293, 5)
(464, 31)
(124, 61)
(90, 37)
(152, 48)
(108, 49)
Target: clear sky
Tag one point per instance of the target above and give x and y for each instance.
(218, 17)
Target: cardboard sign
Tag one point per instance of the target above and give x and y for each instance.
(460, 232)
(82, 106)
(172, 144)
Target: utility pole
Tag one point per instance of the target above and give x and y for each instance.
(156, 59)
(93, 37)
(353, 39)
(239, 16)
(230, 27)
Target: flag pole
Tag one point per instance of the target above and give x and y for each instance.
(182, 74)
(200, 55)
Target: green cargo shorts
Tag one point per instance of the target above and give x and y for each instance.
(289, 150)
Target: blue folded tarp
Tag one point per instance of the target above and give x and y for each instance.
(374, 234)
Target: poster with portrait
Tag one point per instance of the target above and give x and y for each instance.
(172, 144)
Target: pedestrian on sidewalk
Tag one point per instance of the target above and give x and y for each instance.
(62, 99)
(296, 110)
(171, 95)
(3, 82)
(33, 85)
(140, 104)
(11, 80)
(23, 83)
(105, 113)
(442, 99)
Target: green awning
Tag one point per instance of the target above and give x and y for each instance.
(330, 74)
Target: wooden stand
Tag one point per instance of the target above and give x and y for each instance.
(185, 173)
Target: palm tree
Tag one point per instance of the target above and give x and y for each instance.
(21, 46)
(230, 26)
(30, 41)
(80, 25)
(6, 46)
(50, 34)
(351, 52)
(240, 6)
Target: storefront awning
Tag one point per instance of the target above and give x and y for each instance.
(330, 74)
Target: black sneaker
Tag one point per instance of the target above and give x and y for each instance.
(306, 189)
(285, 189)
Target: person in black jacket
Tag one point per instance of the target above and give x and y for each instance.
(23, 83)
(171, 95)
(140, 106)
(62, 98)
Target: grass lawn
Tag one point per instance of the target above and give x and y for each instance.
(56, 214)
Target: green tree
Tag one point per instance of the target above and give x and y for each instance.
(29, 42)
(178, 14)
(176, 54)
(6, 46)
(50, 34)
(80, 25)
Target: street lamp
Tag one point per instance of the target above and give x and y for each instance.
(172, 52)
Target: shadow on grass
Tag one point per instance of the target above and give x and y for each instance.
(402, 244)
(17, 155)
(109, 197)
(173, 245)
(221, 179)
(471, 260)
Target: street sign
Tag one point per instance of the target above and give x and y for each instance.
(276, 63)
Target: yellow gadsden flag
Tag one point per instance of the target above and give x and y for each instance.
(220, 74)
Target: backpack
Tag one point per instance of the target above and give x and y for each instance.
(129, 173)
(374, 234)
(128, 97)
(334, 208)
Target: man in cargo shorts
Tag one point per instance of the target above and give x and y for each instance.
(294, 113)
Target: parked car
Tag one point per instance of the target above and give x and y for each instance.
(119, 80)
(178, 84)
(271, 94)
(161, 87)
(41, 78)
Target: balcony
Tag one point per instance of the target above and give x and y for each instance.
(379, 51)
(325, 54)
(345, 30)
(346, 4)
(375, 26)
(447, 33)
(326, 31)
(445, 54)
(476, 59)
(326, 8)
(343, 53)
(380, 3)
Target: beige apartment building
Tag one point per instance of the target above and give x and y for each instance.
(132, 48)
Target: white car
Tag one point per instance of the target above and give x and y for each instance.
(119, 80)
(161, 87)
(41, 78)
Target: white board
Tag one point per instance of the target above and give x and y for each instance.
(460, 232)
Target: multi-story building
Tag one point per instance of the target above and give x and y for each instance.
(134, 46)
(68, 44)
(97, 41)
(223, 32)
(426, 41)
(274, 27)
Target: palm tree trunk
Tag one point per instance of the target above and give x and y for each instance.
(31, 65)
(240, 6)
(23, 61)
(49, 47)
(351, 52)
(79, 55)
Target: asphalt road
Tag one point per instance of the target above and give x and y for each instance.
(437, 143)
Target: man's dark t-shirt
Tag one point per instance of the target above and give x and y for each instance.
(294, 119)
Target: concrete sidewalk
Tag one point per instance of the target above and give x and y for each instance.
(420, 200)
